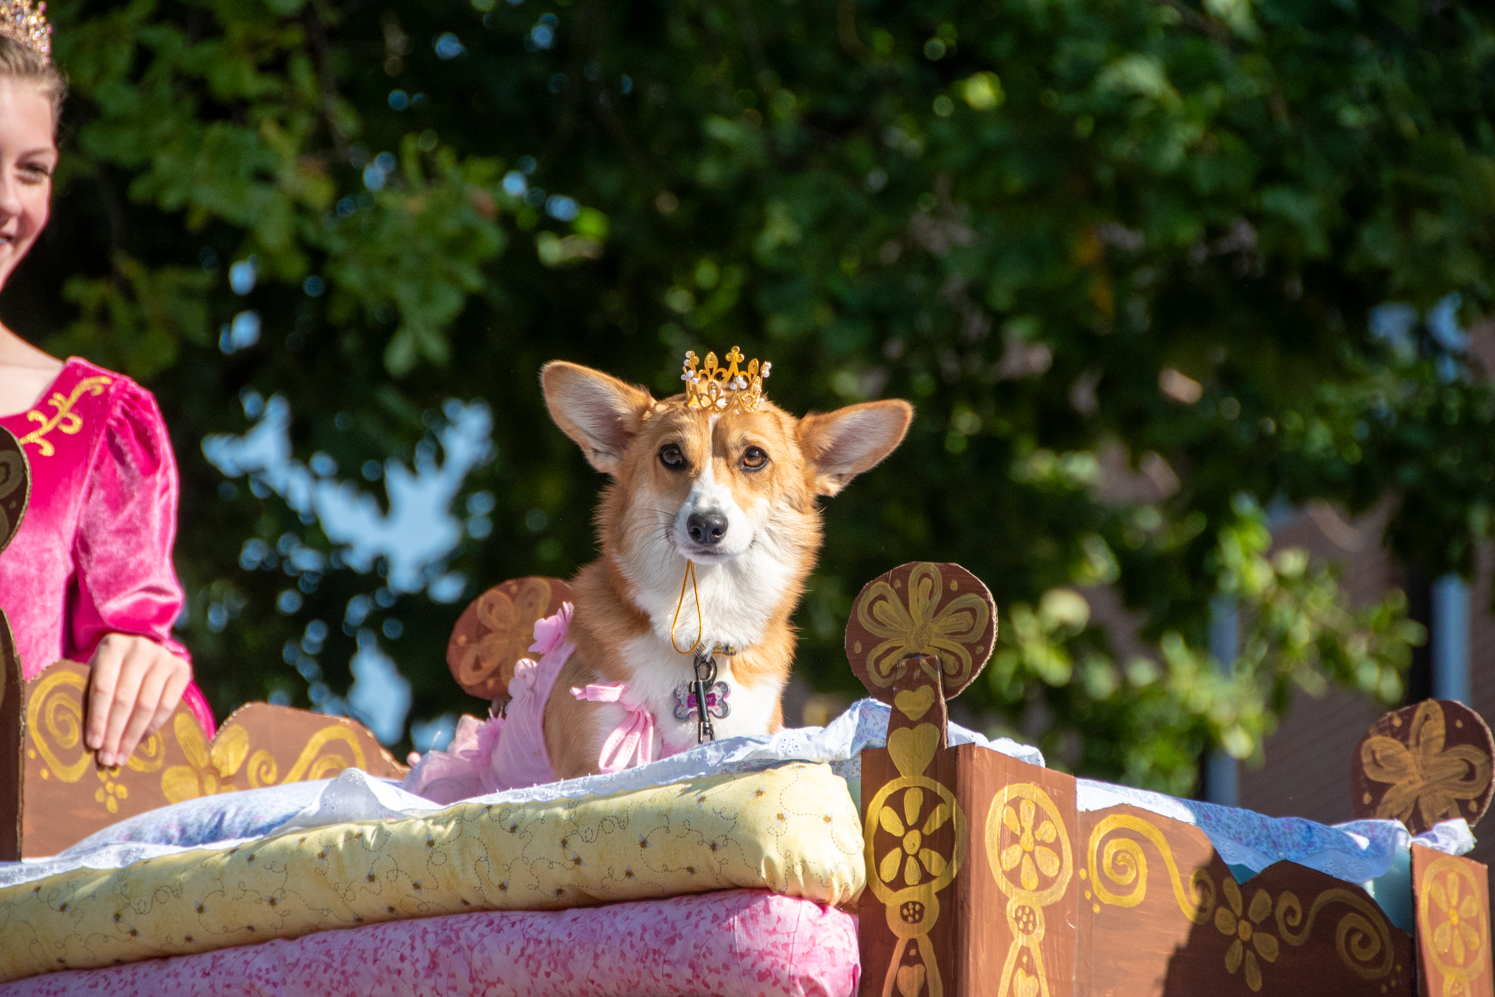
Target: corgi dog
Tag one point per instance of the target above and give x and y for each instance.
(728, 491)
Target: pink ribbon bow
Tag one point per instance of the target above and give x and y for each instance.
(632, 741)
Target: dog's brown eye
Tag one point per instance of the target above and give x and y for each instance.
(754, 459)
(671, 457)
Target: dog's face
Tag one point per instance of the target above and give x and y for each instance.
(719, 482)
(736, 490)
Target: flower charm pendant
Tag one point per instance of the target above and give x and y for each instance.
(716, 701)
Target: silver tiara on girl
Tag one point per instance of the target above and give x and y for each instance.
(27, 26)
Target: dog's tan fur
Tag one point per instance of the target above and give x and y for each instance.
(626, 600)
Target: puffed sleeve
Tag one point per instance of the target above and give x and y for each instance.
(125, 582)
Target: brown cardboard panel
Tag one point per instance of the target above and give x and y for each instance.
(12, 736)
(496, 629)
(1018, 895)
(1422, 764)
(915, 840)
(1145, 884)
(1452, 897)
(66, 795)
(1005, 920)
(907, 932)
(1162, 914)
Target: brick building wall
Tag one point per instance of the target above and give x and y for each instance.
(1307, 759)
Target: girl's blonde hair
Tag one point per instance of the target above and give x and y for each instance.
(20, 61)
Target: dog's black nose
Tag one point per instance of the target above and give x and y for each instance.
(706, 527)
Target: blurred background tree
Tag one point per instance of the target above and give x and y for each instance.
(1097, 242)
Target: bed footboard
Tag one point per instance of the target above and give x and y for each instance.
(984, 877)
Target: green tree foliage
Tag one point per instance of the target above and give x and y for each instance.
(1064, 229)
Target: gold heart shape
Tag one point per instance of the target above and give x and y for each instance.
(910, 980)
(1027, 986)
(912, 748)
(914, 703)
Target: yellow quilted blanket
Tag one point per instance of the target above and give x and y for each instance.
(791, 829)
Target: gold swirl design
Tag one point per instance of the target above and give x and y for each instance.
(1360, 936)
(1025, 833)
(54, 717)
(312, 764)
(1124, 862)
(64, 420)
(262, 770)
(149, 754)
(1425, 776)
(210, 766)
(915, 629)
(1459, 935)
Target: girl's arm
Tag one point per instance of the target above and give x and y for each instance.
(126, 595)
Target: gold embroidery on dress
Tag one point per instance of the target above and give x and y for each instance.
(65, 420)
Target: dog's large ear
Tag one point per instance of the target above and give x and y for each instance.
(599, 412)
(848, 441)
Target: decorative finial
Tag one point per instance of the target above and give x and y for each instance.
(27, 26)
(720, 390)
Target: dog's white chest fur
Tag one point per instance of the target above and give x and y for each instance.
(658, 672)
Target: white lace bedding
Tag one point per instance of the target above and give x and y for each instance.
(1358, 852)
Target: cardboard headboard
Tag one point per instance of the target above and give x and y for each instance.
(54, 794)
(65, 795)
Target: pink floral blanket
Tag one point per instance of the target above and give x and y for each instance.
(738, 943)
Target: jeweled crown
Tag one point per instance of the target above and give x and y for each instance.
(720, 390)
(27, 26)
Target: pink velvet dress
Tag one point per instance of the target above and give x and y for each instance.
(93, 555)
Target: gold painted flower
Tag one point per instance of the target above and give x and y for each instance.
(917, 629)
(1460, 933)
(1425, 775)
(209, 766)
(111, 792)
(1030, 854)
(913, 857)
(1231, 921)
(508, 627)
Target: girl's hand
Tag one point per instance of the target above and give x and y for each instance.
(135, 685)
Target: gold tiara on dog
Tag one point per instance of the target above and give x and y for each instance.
(27, 26)
(721, 390)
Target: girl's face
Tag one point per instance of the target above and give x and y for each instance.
(28, 155)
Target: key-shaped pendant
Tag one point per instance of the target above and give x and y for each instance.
(705, 697)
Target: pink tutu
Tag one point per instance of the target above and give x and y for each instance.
(506, 752)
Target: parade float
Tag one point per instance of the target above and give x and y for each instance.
(891, 852)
